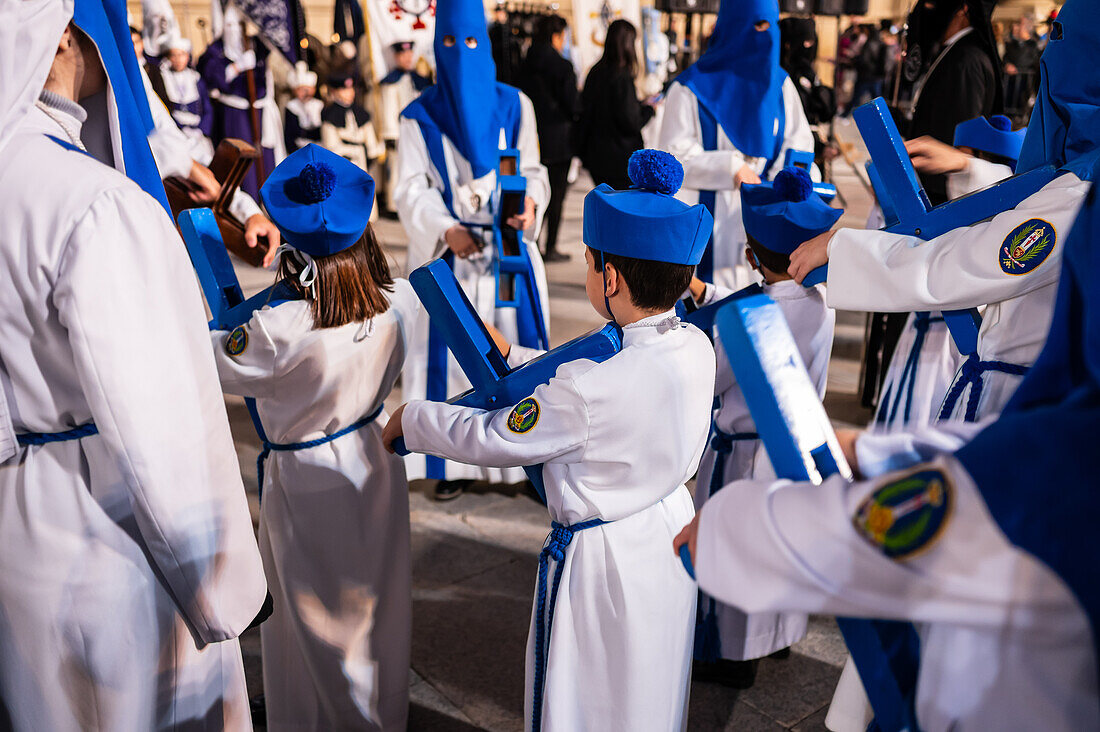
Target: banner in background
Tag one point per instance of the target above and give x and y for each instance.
(590, 21)
(391, 21)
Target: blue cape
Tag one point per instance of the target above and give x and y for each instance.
(104, 21)
(738, 79)
(1065, 124)
(1034, 466)
(467, 103)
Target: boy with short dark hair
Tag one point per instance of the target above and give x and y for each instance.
(610, 641)
(777, 218)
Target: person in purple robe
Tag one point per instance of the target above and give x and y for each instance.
(188, 99)
(227, 66)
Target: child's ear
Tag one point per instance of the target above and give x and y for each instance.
(751, 257)
(611, 281)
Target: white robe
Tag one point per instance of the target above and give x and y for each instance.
(1004, 643)
(334, 519)
(713, 170)
(619, 653)
(811, 322)
(128, 566)
(878, 271)
(938, 359)
(419, 202)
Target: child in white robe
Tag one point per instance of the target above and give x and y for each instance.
(777, 219)
(334, 516)
(610, 640)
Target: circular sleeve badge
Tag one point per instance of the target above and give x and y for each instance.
(906, 515)
(1027, 246)
(236, 341)
(524, 416)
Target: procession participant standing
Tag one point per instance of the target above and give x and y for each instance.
(398, 89)
(346, 128)
(188, 99)
(448, 152)
(302, 118)
(334, 521)
(123, 595)
(777, 220)
(610, 641)
(234, 67)
(730, 119)
(1008, 263)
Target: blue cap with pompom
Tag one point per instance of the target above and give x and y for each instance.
(320, 201)
(647, 221)
(993, 135)
(782, 214)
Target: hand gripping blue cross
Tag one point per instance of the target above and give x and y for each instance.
(495, 385)
(908, 210)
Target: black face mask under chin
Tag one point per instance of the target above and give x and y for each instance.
(925, 28)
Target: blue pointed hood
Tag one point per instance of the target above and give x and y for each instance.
(104, 21)
(467, 103)
(738, 79)
(1065, 124)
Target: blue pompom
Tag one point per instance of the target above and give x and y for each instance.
(1000, 122)
(317, 181)
(793, 184)
(655, 170)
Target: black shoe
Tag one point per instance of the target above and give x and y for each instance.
(782, 654)
(731, 674)
(555, 256)
(448, 490)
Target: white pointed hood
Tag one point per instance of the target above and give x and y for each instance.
(29, 32)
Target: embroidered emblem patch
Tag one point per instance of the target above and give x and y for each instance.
(1027, 246)
(236, 341)
(907, 515)
(524, 416)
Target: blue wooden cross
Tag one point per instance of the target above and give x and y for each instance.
(218, 281)
(801, 445)
(914, 214)
(495, 385)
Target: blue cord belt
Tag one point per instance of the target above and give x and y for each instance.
(556, 544)
(270, 447)
(44, 438)
(708, 644)
(971, 374)
(907, 381)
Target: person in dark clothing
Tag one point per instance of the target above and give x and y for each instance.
(963, 80)
(551, 83)
(507, 49)
(952, 42)
(612, 118)
(1021, 67)
(870, 66)
(798, 51)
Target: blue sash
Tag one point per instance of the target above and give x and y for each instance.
(907, 382)
(971, 374)
(270, 447)
(27, 439)
(556, 544)
(435, 467)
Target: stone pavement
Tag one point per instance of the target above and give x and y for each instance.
(475, 558)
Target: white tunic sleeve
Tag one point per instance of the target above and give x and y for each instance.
(880, 271)
(171, 148)
(796, 546)
(246, 357)
(499, 439)
(243, 206)
(418, 195)
(978, 175)
(704, 170)
(878, 453)
(138, 333)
